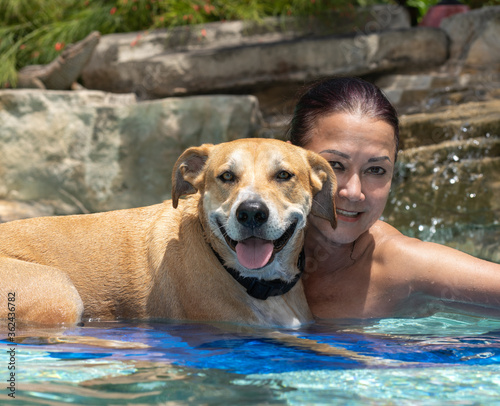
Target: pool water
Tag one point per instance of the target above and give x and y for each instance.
(446, 358)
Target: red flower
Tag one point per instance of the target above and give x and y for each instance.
(136, 40)
(112, 11)
(59, 46)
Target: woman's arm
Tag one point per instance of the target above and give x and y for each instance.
(445, 273)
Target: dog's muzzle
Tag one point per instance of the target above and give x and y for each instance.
(255, 252)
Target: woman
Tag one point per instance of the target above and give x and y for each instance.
(365, 268)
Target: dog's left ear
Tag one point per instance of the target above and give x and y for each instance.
(324, 185)
(187, 170)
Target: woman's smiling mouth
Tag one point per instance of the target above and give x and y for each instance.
(346, 215)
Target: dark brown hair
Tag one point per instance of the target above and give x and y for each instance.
(340, 95)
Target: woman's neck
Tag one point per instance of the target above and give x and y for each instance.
(324, 255)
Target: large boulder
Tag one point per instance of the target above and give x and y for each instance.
(91, 151)
(153, 68)
(474, 38)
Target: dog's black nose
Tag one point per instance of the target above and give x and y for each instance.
(252, 213)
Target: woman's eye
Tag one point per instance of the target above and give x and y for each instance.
(376, 170)
(227, 177)
(284, 175)
(336, 165)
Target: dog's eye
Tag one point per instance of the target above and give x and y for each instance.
(227, 177)
(283, 175)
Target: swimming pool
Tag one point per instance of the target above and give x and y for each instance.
(447, 358)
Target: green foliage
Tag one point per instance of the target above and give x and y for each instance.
(35, 31)
(422, 5)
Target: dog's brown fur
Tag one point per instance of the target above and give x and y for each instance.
(157, 261)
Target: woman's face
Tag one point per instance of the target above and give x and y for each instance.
(361, 151)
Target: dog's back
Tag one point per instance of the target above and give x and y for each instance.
(131, 264)
(104, 255)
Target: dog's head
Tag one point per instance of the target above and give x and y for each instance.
(256, 195)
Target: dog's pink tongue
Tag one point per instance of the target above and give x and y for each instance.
(254, 253)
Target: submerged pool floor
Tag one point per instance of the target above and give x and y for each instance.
(442, 359)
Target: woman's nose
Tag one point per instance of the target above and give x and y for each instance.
(351, 188)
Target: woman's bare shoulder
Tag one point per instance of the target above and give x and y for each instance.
(381, 229)
(386, 236)
(391, 247)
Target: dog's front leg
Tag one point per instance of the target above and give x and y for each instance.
(36, 293)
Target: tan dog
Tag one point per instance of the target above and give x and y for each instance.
(166, 260)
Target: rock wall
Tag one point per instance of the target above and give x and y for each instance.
(474, 38)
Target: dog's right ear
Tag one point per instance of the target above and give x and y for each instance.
(185, 176)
